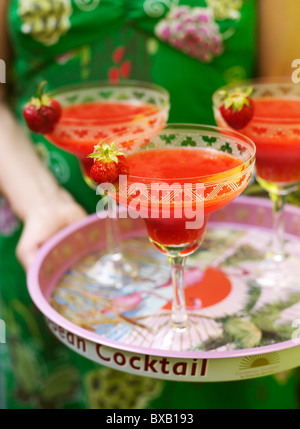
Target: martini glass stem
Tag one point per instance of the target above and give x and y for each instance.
(278, 199)
(112, 230)
(113, 240)
(179, 314)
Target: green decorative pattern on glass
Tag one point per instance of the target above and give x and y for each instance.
(193, 136)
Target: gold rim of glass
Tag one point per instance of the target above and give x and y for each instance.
(105, 85)
(234, 173)
(262, 84)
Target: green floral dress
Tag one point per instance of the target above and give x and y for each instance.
(63, 41)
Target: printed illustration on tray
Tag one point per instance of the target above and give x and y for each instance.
(229, 314)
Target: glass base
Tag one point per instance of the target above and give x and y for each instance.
(278, 271)
(171, 337)
(180, 326)
(138, 262)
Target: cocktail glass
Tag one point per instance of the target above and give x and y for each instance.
(179, 174)
(92, 112)
(275, 130)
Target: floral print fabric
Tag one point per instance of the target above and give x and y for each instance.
(193, 31)
(190, 48)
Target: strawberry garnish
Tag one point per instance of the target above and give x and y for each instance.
(109, 164)
(42, 113)
(123, 166)
(237, 108)
(104, 172)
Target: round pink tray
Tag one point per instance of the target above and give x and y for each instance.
(237, 335)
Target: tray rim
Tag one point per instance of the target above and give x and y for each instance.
(47, 310)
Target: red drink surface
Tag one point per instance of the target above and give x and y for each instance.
(179, 165)
(82, 126)
(107, 113)
(275, 130)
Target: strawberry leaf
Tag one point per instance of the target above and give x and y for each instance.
(104, 152)
(248, 91)
(228, 102)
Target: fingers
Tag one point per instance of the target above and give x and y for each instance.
(76, 214)
(41, 226)
(26, 251)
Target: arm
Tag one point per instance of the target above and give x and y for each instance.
(278, 36)
(32, 191)
(30, 188)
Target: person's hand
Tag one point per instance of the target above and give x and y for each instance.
(43, 221)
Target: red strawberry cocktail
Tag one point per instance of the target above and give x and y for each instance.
(180, 166)
(87, 114)
(178, 175)
(275, 129)
(274, 126)
(92, 112)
